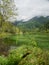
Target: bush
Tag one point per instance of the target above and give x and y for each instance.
(16, 55)
(3, 60)
(26, 55)
(37, 57)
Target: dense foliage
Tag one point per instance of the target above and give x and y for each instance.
(40, 23)
(37, 57)
(23, 43)
(26, 55)
(7, 8)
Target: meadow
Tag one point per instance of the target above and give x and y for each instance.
(25, 49)
(39, 39)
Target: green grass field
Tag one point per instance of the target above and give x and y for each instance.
(40, 39)
(30, 49)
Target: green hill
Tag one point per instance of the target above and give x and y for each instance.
(36, 23)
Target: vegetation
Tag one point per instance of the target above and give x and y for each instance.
(34, 47)
(7, 9)
(37, 57)
(26, 55)
(23, 48)
(23, 43)
(34, 25)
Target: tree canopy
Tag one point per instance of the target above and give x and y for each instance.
(7, 8)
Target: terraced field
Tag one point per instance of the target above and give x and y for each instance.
(35, 39)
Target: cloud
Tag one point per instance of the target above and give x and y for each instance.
(30, 8)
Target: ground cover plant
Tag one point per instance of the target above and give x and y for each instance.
(26, 55)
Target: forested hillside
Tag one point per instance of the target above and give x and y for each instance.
(35, 24)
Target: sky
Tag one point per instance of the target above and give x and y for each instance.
(27, 9)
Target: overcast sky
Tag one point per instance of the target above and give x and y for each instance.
(30, 8)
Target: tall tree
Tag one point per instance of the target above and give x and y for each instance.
(7, 9)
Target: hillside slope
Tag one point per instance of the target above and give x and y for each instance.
(34, 23)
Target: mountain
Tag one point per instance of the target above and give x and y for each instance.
(39, 19)
(33, 23)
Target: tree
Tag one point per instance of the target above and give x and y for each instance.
(46, 25)
(7, 9)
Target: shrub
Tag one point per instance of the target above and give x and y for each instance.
(26, 55)
(3, 60)
(37, 57)
(16, 55)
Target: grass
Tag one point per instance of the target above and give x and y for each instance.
(27, 51)
(42, 39)
(37, 39)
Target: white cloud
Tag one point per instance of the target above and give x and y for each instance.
(31, 8)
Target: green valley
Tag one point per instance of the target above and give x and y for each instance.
(23, 41)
